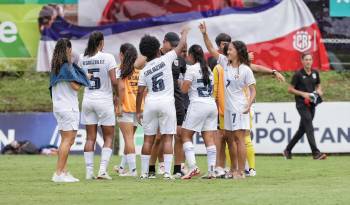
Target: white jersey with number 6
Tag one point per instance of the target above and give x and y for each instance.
(99, 66)
(158, 78)
(159, 111)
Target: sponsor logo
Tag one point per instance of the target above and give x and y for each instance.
(302, 41)
(8, 32)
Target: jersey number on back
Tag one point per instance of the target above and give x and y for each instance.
(158, 82)
(95, 82)
(204, 91)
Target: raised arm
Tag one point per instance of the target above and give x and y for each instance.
(208, 44)
(263, 69)
(183, 41)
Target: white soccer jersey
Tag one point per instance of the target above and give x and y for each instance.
(158, 78)
(64, 98)
(198, 92)
(99, 66)
(236, 81)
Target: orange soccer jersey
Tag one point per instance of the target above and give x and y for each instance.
(130, 84)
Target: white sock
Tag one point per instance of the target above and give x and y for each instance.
(89, 162)
(168, 159)
(189, 153)
(247, 165)
(145, 163)
(131, 159)
(105, 156)
(123, 162)
(211, 156)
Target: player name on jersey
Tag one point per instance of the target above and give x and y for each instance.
(155, 68)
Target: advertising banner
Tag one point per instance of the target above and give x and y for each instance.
(274, 124)
(19, 32)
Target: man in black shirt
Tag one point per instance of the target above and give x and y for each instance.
(307, 89)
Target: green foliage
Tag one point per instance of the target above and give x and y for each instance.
(24, 91)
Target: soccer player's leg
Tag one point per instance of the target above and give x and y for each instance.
(106, 153)
(154, 156)
(106, 118)
(150, 127)
(167, 127)
(250, 149)
(250, 155)
(208, 133)
(127, 127)
(90, 120)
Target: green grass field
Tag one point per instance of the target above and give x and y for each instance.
(26, 180)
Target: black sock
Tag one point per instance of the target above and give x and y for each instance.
(152, 169)
(177, 168)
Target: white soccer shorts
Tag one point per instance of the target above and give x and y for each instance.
(201, 117)
(67, 120)
(98, 112)
(159, 114)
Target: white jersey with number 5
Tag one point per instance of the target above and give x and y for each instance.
(99, 66)
(158, 78)
(198, 92)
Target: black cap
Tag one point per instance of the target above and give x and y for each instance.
(172, 38)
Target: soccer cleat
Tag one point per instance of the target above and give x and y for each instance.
(62, 178)
(104, 176)
(219, 172)
(129, 174)
(71, 177)
(152, 175)
(228, 175)
(161, 169)
(89, 175)
(178, 175)
(250, 173)
(144, 176)
(184, 168)
(287, 154)
(320, 156)
(119, 169)
(193, 172)
(168, 176)
(210, 175)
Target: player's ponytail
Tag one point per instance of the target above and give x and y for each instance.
(60, 56)
(197, 53)
(130, 55)
(94, 42)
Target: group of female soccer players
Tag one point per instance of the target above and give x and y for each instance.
(151, 91)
